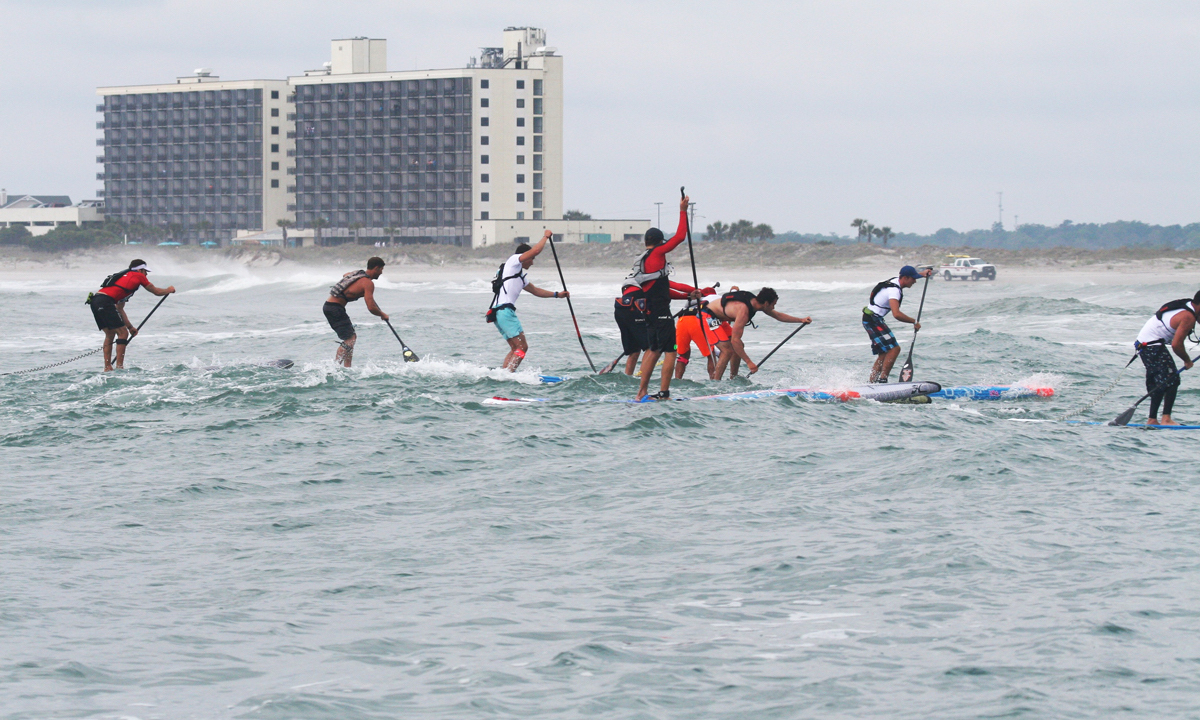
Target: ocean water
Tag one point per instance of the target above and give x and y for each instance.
(200, 536)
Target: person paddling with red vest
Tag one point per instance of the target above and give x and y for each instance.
(108, 307)
(651, 274)
(1168, 327)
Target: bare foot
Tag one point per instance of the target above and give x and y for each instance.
(1166, 420)
(108, 368)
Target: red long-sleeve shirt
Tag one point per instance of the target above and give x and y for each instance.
(657, 259)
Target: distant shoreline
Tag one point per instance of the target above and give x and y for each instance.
(617, 255)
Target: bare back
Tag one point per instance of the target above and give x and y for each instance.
(356, 291)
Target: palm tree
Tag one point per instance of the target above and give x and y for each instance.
(741, 231)
(285, 224)
(173, 231)
(576, 215)
(354, 228)
(717, 231)
(763, 232)
(390, 232)
(203, 226)
(885, 233)
(859, 223)
(317, 225)
(868, 231)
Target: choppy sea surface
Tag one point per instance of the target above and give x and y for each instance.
(200, 536)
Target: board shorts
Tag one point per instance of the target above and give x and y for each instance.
(660, 331)
(1160, 367)
(338, 320)
(687, 331)
(882, 339)
(104, 309)
(632, 324)
(508, 324)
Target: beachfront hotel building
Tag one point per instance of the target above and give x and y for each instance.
(351, 151)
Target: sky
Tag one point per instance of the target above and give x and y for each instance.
(802, 115)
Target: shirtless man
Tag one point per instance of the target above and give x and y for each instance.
(738, 308)
(352, 286)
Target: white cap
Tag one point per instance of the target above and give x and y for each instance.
(141, 267)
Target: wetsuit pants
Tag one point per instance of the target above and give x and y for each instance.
(1160, 370)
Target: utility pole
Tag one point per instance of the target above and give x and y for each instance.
(692, 219)
(659, 214)
(1000, 206)
(1016, 223)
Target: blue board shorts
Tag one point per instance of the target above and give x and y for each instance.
(882, 338)
(508, 324)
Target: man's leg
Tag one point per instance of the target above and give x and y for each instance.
(345, 351)
(681, 363)
(517, 353)
(649, 360)
(668, 369)
(877, 368)
(888, 361)
(631, 363)
(121, 341)
(727, 354)
(108, 345)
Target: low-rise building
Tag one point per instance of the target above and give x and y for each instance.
(42, 213)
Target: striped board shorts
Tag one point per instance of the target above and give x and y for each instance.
(882, 339)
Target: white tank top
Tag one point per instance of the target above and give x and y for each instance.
(1156, 329)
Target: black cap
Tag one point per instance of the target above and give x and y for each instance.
(654, 236)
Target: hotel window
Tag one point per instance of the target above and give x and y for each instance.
(521, 160)
(484, 197)
(483, 215)
(520, 216)
(483, 84)
(520, 178)
(537, 215)
(520, 102)
(483, 140)
(275, 166)
(520, 122)
(537, 181)
(483, 159)
(274, 112)
(537, 87)
(274, 129)
(537, 106)
(483, 121)
(484, 177)
(274, 147)
(537, 124)
(520, 84)
(537, 162)
(483, 102)
(537, 143)
(274, 183)
(537, 200)
(520, 197)
(275, 93)
(520, 139)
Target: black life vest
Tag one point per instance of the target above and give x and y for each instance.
(338, 289)
(658, 295)
(739, 296)
(498, 281)
(1181, 304)
(633, 299)
(111, 280)
(885, 284)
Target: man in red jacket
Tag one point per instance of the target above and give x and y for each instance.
(108, 307)
(651, 272)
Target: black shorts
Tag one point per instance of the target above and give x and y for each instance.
(338, 320)
(633, 330)
(661, 333)
(1161, 372)
(104, 309)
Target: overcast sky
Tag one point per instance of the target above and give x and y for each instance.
(804, 115)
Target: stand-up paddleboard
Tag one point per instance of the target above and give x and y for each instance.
(282, 364)
(552, 379)
(880, 392)
(990, 392)
(1143, 426)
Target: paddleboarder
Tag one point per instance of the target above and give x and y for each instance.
(698, 325)
(1169, 327)
(651, 274)
(885, 298)
(510, 282)
(738, 308)
(352, 286)
(108, 308)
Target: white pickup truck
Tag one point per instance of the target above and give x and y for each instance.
(965, 266)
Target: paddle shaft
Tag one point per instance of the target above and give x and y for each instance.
(1133, 407)
(789, 337)
(407, 350)
(695, 278)
(160, 302)
(570, 307)
(920, 308)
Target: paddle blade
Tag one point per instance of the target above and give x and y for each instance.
(906, 372)
(1124, 418)
(410, 356)
(609, 367)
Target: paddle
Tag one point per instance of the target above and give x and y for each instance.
(570, 307)
(789, 337)
(609, 367)
(160, 302)
(1124, 418)
(695, 277)
(906, 372)
(409, 355)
